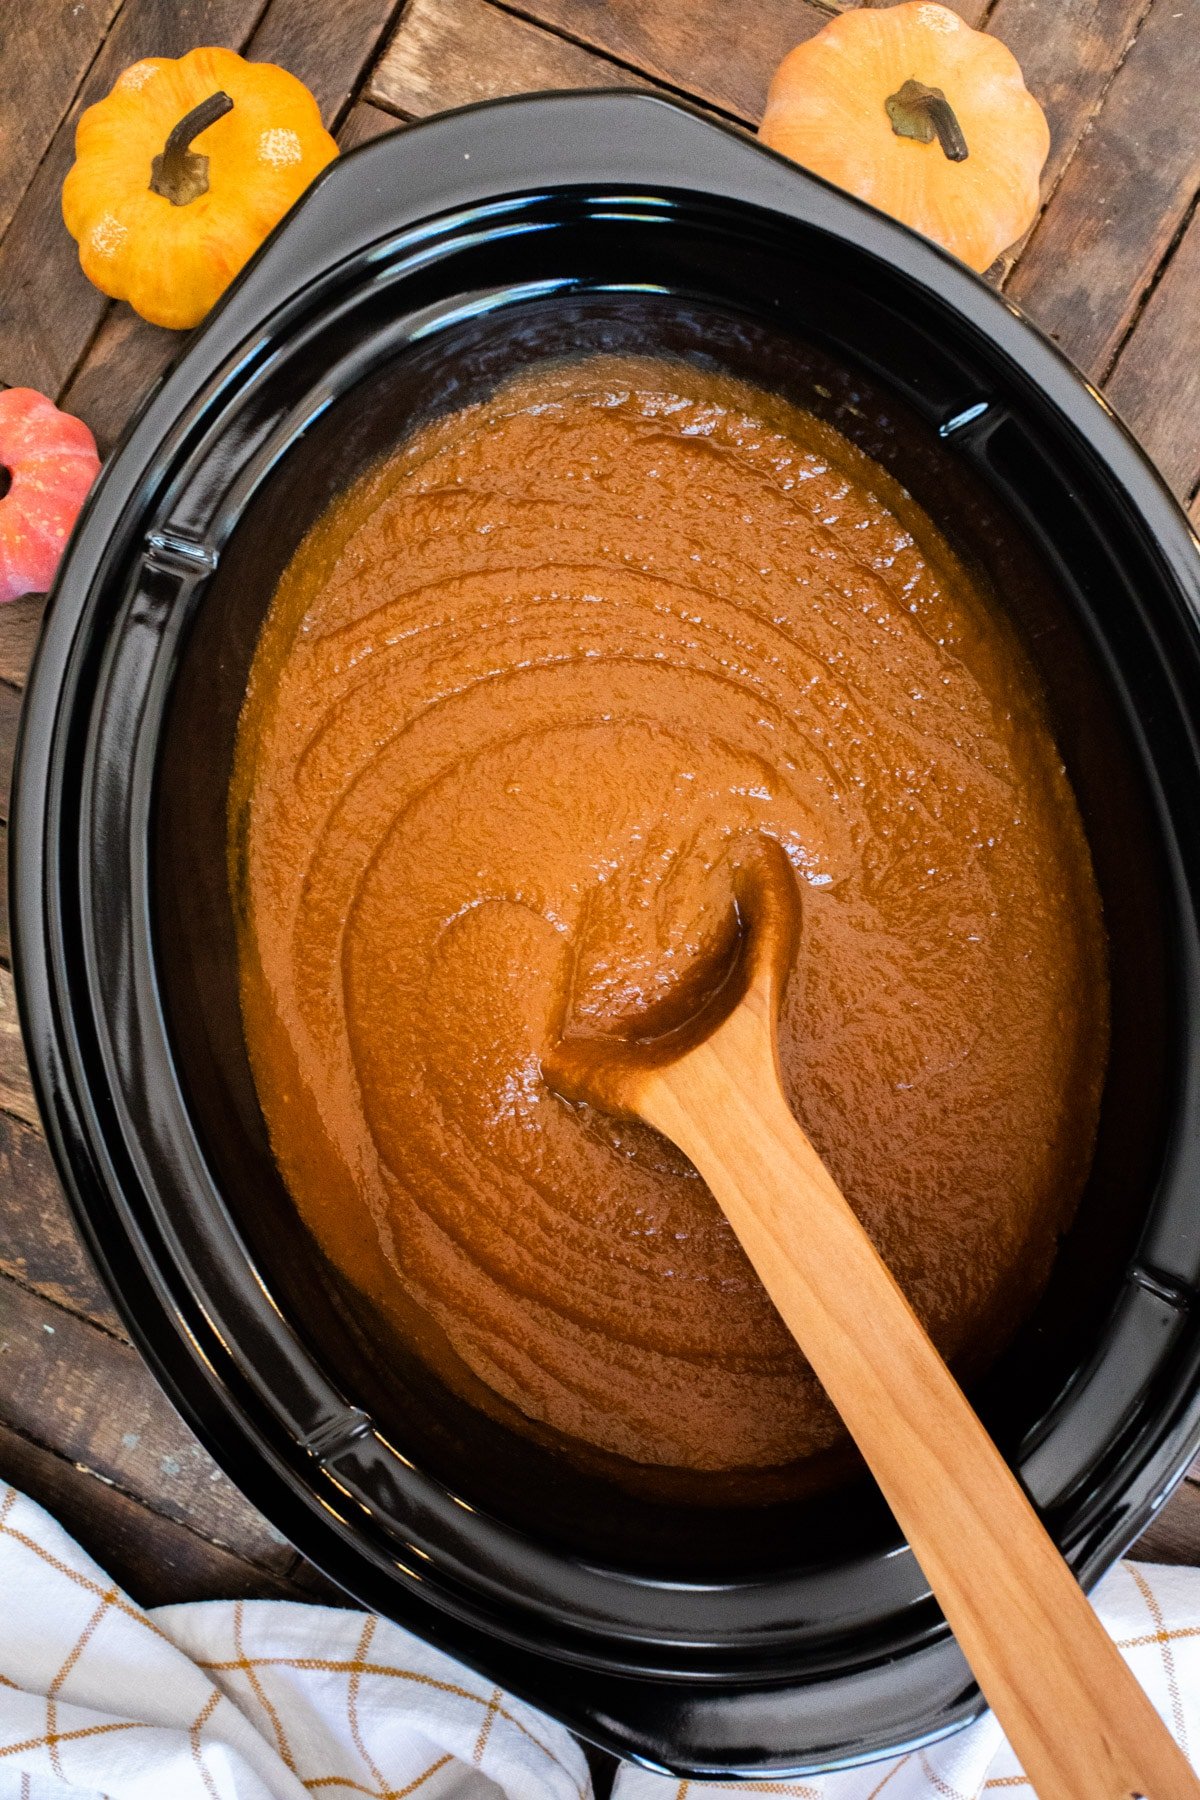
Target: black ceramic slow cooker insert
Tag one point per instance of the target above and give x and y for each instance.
(419, 272)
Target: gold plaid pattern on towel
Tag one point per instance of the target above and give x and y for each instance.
(240, 1701)
(272, 1701)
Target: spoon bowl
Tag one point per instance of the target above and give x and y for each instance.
(613, 1069)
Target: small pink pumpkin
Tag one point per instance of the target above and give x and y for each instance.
(48, 462)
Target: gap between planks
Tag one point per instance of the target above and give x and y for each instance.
(334, 56)
(89, 1397)
(1059, 166)
(130, 1539)
(630, 68)
(46, 69)
(1153, 285)
(1119, 205)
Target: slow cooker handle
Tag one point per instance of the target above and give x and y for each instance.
(459, 160)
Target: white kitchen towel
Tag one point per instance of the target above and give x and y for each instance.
(265, 1700)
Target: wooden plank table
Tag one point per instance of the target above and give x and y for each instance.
(1111, 269)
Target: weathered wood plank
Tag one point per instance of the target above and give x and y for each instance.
(16, 1089)
(328, 50)
(328, 47)
(39, 1245)
(973, 11)
(364, 122)
(89, 1396)
(306, 1583)
(1068, 51)
(1156, 382)
(50, 308)
(724, 55)
(1174, 1536)
(5, 947)
(126, 360)
(10, 712)
(20, 625)
(45, 51)
(441, 56)
(155, 1560)
(1122, 198)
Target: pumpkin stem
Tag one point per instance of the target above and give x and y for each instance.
(923, 113)
(180, 174)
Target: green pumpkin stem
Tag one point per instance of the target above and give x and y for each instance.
(180, 174)
(923, 113)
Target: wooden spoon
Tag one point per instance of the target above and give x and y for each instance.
(1074, 1714)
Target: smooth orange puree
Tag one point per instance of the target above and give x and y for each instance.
(524, 696)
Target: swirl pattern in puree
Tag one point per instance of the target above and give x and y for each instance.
(523, 695)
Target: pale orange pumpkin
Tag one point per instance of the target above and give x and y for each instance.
(910, 109)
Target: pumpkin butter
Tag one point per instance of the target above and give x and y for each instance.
(525, 695)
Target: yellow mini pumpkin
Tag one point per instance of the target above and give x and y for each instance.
(913, 111)
(181, 172)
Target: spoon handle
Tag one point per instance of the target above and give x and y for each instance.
(1072, 1710)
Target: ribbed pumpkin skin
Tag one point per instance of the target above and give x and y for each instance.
(173, 262)
(827, 109)
(50, 459)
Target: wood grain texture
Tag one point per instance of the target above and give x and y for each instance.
(444, 56)
(973, 11)
(157, 1561)
(5, 946)
(1069, 51)
(328, 46)
(1173, 1537)
(66, 1383)
(437, 57)
(10, 712)
(126, 360)
(39, 1245)
(1122, 198)
(16, 1089)
(44, 54)
(50, 308)
(329, 49)
(364, 122)
(723, 55)
(1156, 382)
(20, 625)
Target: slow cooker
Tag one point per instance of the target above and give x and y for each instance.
(418, 272)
